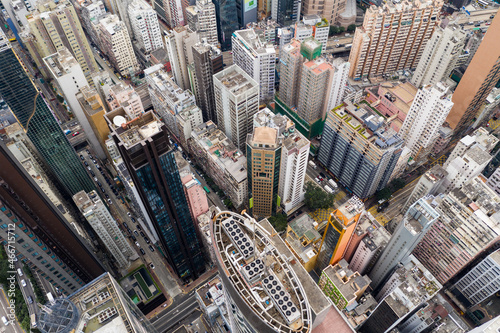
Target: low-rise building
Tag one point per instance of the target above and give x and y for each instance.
(343, 286)
(494, 181)
(221, 160)
(126, 97)
(212, 303)
(195, 195)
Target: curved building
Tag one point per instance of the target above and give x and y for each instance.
(263, 293)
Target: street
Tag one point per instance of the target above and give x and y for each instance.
(13, 326)
(119, 211)
(105, 67)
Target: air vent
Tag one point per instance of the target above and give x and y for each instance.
(253, 271)
(238, 238)
(281, 298)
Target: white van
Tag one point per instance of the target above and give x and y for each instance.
(20, 272)
(5, 321)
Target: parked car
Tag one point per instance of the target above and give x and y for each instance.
(142, 251)
(76, 133)
(23, 283)
(152, 266)
(147, 240)
(30, 300)
(137, 244)
(151, 248)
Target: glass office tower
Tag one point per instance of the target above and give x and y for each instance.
(227, 21)
(143, 145)
(35, 117)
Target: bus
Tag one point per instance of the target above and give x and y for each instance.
(206, 189)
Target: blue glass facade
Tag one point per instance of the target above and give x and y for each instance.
(42, 128)
(227, 21)
(172, 216)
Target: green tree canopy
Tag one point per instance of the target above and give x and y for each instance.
(279, 222)
(333, 30)
(351, 27)
(317, 198)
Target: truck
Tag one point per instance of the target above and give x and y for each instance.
(33, 320)
(67, 131)
(348, 46)
(312, 164)
(328, 189)
(332, 183)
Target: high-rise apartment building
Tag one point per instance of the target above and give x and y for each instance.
(359, 148)
(179, 42)
(313, 26)
(330, 9)
(246, 11)
(44, 239)
(90, 13)
(201, 18)
(125, 96)
(264, 158)
(116, 43)
(415, 223)
(236, 100)
(286, 313)
(33, 114)
(430, 183)
(207, 61)
(440, 55)
(294, 155)
(392, 37)
(69, 78)
(162, 8)
(221, 160)
(494, 181)
(339, 230)
(482, 74)
(145, 26)
(257, 58)
(143, 145)
(481, 282)
(290, 67)
(339, 83)
(425, 118)
(56, 25)
(227, 21)
(467, 224)
(105, 227)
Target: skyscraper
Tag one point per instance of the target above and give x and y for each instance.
(440, 55)
(179, 42)
(143, 145)
(291, 62)
(207, 62)
(105, 226)
(54, 26)
(202, 19)
(392, 37)
(411, 229)
(425, 118)
(257, 58)
(285, 12)
(263, 157)
(360, 148)
(35, 117)
(467, 224)
(227, 21)
(145, 26)
(236, 100)
(47, 238)
(329, 9)
(116, 44)
(482, 74)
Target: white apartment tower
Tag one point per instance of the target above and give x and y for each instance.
(105, 227)
(236, 100)
(339, 82)
(201, 18)
(116, 44)
(393, 37)
(70, 78)
(424, 119)
(440, 55)
(145, 26)
(179, 42)
(257, 58)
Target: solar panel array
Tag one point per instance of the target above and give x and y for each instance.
(239, 239)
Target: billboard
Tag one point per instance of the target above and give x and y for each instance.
(250, 4)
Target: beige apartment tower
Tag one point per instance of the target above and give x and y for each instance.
(392, 37)
(481, 76)
(329, 9)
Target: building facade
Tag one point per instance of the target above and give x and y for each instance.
(145, 26)
(178, 43)
(392, 37)
(202, 19)
(236, 100)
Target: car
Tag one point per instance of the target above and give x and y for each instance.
(88, 151)
(133, 220)
(94, 161)
(85, 162)
(322, 175)
(147, 240)
(130, 232)
(98, 167)
(82, 158)
(76, 133)
(133, 238)
(103, 191)
(95, 179)
(317, 180)
(142, 251)
(142, 234)
(30, 300)
(99, 184)
(110, 202)
(92, 173)
(125, 225)
(139, 228)
(137, 243)
(5, 321)
(152, 266)
(128, 213)
(90, 156)
(136, 233)
(151, 248)
(107, 196)
(88, 168)
(320, 178)
(23, 283)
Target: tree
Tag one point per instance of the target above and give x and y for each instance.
(279, 222)
(341, 29)
(351, 27)
(317, 198)
(397, 184)
(384, 193)
(333, 30)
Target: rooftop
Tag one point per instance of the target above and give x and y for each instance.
(61, 63)
(265, 135)
(348, 283)
(133, 131)
(254, 41)
(235, 80)
(259, 271)
(400, 94)
(112, 24)
(90, 100)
